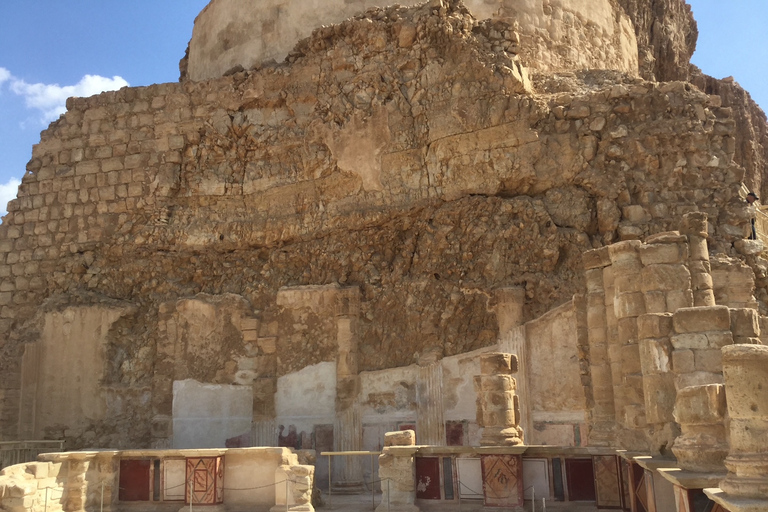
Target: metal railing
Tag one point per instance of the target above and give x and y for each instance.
(18, 452)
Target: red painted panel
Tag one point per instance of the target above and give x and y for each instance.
(454, 433)
(134, 480)
(580, 475)
(428, 478)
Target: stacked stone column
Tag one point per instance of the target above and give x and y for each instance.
(666, 285)
(699, 335)
(293, 488)
(745, 369)
(629, 304)
(397, 472)
(695, 228)
(603, 413)
(498, 411)
(700, 411)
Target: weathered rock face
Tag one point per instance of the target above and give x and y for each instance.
(398, 154)
(666, 37)
(550, 35)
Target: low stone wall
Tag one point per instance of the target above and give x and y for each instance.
(245, 478)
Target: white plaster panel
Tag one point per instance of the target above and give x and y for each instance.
(389, 395)
(68, 368)
(206, 415)
(307, 397)
(536, 478)
(459, 397)
(174, 479)
(470, 478)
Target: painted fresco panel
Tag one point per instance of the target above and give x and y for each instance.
(536, 478)
(607, 481)
(502, 480)
(580, 477)
(428, 478)
(205, 478)
(134, 480)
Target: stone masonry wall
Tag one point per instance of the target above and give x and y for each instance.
(396, 152)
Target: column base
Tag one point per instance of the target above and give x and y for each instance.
(736, 504)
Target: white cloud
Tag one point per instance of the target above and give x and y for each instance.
(8, 192)
(50, 99)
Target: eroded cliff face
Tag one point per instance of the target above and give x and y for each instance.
(401, 163)
(550, 35)
(666, 37)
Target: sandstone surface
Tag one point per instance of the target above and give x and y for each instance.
(358, 207)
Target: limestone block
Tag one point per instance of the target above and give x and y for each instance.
(694, 223)
(745, 322)
(400, 438)
(629, 305)
(697, 379)
(683, 361)
(665, 277)
(701, 319)
(748, 247)
(655, 356)
(654, 325)
(634, 416)
(635, 213)
(700, 411)
(594, 279)
(655, 302)
(624, 257)
(701, 404)
(666, 237)
(498, 363)
(694, 341)
(627, 329)
(663, 253)
(630, 359)
(627, 282)
(708, 360)
(596, 258)
(677, 299)
(701, 281)
(704, 298)
(659, 393)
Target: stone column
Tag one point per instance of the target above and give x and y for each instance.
(512, 340)
(695, 227)
(745, 368)
(430, 422)
(397, 472)
(603, 412)
(700, 334)
(497, 406)
(700, 411)
(629, 303)
(654, 331)
(348, 429)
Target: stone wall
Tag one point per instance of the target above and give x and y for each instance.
(361, 205)
(551, 35)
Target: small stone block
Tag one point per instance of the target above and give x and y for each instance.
(654, 325)
(701, 405)
(400, 438)
(701, 319)
(663, 253)
(498, 363)
(745, 322)
(597, 258)
(708, 360)
(683, 361)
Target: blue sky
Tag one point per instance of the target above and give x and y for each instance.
(51, 49)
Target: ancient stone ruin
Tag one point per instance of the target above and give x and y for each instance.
(515, 228)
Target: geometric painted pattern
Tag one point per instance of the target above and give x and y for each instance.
(205, 480)
(502, 480)
(607, 481)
